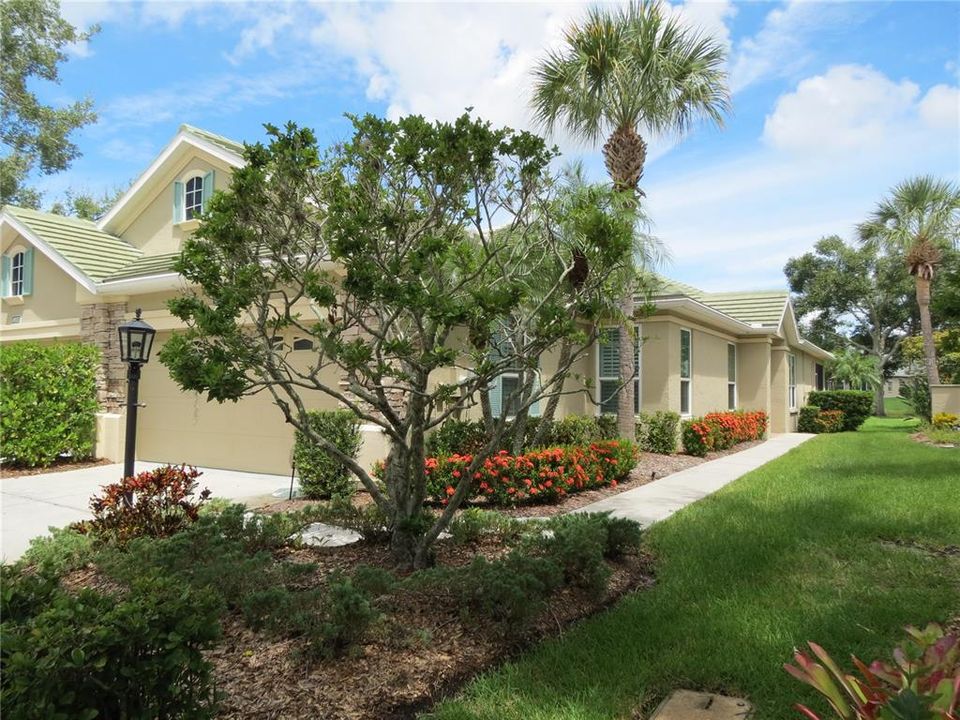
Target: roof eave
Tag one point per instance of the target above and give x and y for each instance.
(51, 252)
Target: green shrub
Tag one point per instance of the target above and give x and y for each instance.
(90, 655)
(807, 419)
(917, 393)
(623, 536)
(855, 404)
(657, 432)
(829, 421)
(607, 427)
(509, 591)
(368, 521)
(471, 524)
(65, 549)
(348, 615)
(578, 545)
(574, 430)
(48, 402)
(461, 437)
(321, 474)
(374, 581)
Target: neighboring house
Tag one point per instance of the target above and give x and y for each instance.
(70, 279)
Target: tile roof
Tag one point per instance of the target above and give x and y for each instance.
(95, 253)
(145, 266)
(218, 140)
(762, 307)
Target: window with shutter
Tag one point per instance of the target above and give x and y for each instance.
(608, 371)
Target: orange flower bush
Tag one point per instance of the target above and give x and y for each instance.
(541, 476)
(722, 430)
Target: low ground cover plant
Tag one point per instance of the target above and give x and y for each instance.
(546, 475)
(48, 402)
(945, 421)
(323, 476)
(722, 430)
(922, 682)
(856, 405)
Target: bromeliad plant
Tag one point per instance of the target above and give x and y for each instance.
(922, 683)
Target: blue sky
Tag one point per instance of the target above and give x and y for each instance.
(833, 103)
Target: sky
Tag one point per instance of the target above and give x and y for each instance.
(832, 103)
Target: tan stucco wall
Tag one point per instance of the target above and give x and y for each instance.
(753, 375)
(945, 399)
(53, 291)
(659, 365)
(153, 230)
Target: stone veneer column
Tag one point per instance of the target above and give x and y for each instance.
(98, 326)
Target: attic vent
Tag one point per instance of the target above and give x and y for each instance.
(16, 319)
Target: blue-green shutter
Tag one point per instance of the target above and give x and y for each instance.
(207, 192)
(178, 202)
(28, 271)
(5, 280)
(495, 393)
(610, 353)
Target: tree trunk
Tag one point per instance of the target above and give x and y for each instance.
(926, 326)
(881, 410)
(626, 413)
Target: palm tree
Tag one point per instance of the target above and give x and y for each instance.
(855, 370)
(918, 220)
(621, 72)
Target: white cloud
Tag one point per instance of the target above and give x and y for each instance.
(853, 108)
(260, 36)
(782, 46)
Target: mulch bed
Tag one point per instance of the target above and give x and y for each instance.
(421, 652)
(58, 466)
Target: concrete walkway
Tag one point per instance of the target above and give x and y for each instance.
(658, 500)
(32, 503)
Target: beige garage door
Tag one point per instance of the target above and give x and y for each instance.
(182, 427)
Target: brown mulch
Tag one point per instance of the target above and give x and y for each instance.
(420, 652)
(58, 466)
(651, 467)
(921, 438)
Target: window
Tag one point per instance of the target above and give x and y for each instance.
(303, 344)
(504, 391)
(276, 342)
(17, 278)
(818, 370)
(686, 367)
(190, 198)
(731, 376)
(16, 274)
(792, 381)
(193, 200)
(608, 370)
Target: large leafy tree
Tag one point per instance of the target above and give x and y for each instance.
(422, 261)
(918, 221)
(853, 296)
(622, 72)
(36, 136)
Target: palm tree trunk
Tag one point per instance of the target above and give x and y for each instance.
(926, 327)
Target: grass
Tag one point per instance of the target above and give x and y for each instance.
(897, 407)
(789, 553)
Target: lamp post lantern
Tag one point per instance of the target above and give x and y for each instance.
(136, 341)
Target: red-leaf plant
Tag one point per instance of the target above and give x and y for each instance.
(923, 682)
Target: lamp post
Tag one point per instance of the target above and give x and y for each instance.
(136, 341)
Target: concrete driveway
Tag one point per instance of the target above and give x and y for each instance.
(31, 504)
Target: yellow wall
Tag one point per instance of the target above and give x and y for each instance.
(753, 375)
(945, 399)
(153, 230)
(659, 366)
(53, 292)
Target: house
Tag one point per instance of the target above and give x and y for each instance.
(70, 279)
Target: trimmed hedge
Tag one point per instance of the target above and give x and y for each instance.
(816, 420)
(48, 402)
(855, 404)
(722, 430)
(321, 475)
(657, 432)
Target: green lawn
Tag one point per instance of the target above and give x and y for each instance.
(788, 553)
(897, 407)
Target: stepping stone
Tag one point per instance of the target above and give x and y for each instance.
(689, 705)
(323, 535)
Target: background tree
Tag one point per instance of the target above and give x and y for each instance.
(918, 221)
(33, 42)
(622, 72)
(855, 296)
(947, 343)
(406, 256)
(854, 369)
(86, 205)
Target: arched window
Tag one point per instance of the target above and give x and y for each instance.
(17, 274)
(193, 198)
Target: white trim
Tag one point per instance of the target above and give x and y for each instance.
(59, 260)
(145, 284)
(183, 137)
(736, 376)
(791, 364)
(689, 380)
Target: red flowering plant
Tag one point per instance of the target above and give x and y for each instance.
(922, 683)
(829, 421)
(155, 503)
(722, 430)
(544, 475)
